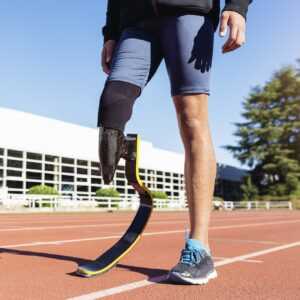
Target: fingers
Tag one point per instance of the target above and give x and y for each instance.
(237, 25)
(231, 41)
(236, 40)
(224, 24)
(105, 61)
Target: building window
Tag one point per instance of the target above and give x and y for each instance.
(67, 188)
(14, 173)
(131, 191)
(67, 178)
(14, 153)
(35, 156)
(95, 172)
(13, 184)
(1, 174)
(81, 162)
(82, 171)
(95, 164)
(33, 175)
(49, 177)
(51, 158)
(82, 188)
(120, 182)
(120, 175)
(49, 167)
(168, 180)
(65, 169)
(33, 166)
(1, 151)
(14, 163)
(159, 186)
(96, 181)
(121, 168)
(1, 162)
(80, 179)
(66, 160)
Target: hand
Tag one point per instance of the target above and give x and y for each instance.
(237, 25)
(106, 55)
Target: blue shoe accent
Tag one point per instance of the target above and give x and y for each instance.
(195, 265)
(196, 245)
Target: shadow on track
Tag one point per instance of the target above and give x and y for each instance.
(152, 273)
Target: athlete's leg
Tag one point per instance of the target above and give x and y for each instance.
(187, 46)
(200, 161)
(135, 60)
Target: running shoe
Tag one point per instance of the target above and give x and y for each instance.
(195, 265)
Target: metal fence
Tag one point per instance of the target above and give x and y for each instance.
(65, 203)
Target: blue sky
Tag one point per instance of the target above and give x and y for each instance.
(50, 65)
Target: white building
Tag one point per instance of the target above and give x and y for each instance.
(38, 150)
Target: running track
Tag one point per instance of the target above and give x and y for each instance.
(257, 255)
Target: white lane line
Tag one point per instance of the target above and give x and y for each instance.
(143, 283)
(37, 243)
(244, 260)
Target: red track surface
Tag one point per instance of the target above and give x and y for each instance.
(39, 253)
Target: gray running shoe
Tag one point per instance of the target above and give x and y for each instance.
(195, 266)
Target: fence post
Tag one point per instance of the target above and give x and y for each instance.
(268, 205)
(249, 205)
(290, 205)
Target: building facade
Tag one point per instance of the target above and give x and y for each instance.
(37, 150)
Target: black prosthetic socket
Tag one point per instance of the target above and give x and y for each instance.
(116, 104)
(111, 147)
(115, 109)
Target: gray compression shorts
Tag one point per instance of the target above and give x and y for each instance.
(184, 41)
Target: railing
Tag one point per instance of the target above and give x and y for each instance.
(230, 205)
(48, 202)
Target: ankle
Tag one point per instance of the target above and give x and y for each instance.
(203, 243)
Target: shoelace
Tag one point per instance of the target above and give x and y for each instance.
(191, 257)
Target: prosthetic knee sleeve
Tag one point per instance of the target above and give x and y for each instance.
(115, 110)
(116, 104)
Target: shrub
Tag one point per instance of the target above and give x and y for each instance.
(42, 190)
(107, 192)
(159, 195)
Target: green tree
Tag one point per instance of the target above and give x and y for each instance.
(249, 190)
(42, 190)
(269, 139)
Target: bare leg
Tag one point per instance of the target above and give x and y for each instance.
(200, 161)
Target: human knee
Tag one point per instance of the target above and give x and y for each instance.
(116, 104)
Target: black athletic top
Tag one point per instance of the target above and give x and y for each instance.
(123, 13)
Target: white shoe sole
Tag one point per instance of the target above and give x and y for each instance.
(178, 278)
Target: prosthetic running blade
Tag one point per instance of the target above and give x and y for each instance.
(112, 256)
